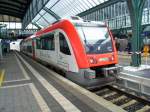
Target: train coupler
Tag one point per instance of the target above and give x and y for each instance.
(115, 70)
(89, 74)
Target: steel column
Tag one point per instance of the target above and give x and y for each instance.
(135, 9)
(36, 25)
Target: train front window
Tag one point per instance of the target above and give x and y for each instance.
(96, 39)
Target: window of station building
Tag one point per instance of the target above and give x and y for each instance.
(64, 48)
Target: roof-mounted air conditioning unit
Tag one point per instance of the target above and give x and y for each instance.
(76, 18)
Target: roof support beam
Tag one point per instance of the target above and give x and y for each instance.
(100, 6)
(11, 8)
(44, 18)
(37, 25)
(10, 13)
(52, 13)
(36, 6)
(54, 4)
(15, 8)
(12, 4)
(24, 2)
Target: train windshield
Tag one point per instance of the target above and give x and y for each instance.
(96, 39)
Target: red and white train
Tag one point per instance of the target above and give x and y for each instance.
(84, 50)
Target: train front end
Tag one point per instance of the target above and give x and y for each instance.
(100, 52)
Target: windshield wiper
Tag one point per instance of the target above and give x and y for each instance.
(84, 35)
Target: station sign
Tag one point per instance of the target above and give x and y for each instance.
(146, 50)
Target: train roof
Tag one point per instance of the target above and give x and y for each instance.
(76, 21)
(30, 37)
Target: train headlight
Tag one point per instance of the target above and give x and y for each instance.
(111, 58)
(92, 61)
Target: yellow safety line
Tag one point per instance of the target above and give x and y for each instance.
(2, 77)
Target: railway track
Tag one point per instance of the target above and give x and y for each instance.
(126, 101)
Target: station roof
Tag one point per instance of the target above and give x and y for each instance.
(63, 9)
(13, 10)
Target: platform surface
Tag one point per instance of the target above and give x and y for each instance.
(137, 79)
(12, 68)
(142, 73)
(125, 59)
(27, 89)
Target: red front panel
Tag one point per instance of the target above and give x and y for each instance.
(102, 59)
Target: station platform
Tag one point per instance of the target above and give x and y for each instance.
(136, 78)
(125, 59)
(28, 86)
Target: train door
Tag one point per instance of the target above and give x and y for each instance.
(66, 59)
(50, 52)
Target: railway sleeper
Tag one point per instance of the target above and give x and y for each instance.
(144, 109)
(123, 101)
(110, 94)
(117, 99)
(134, 107)
(102, 93)
(147, 110)
(128, 104)
(109, 98)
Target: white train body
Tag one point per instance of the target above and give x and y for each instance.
(60, 45)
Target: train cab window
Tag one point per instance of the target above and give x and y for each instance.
(64, 48)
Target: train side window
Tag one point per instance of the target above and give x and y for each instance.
(46, 42)
(38, 44)
(64, 48)
(43, 44)
(29, 49)
(50, 41)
